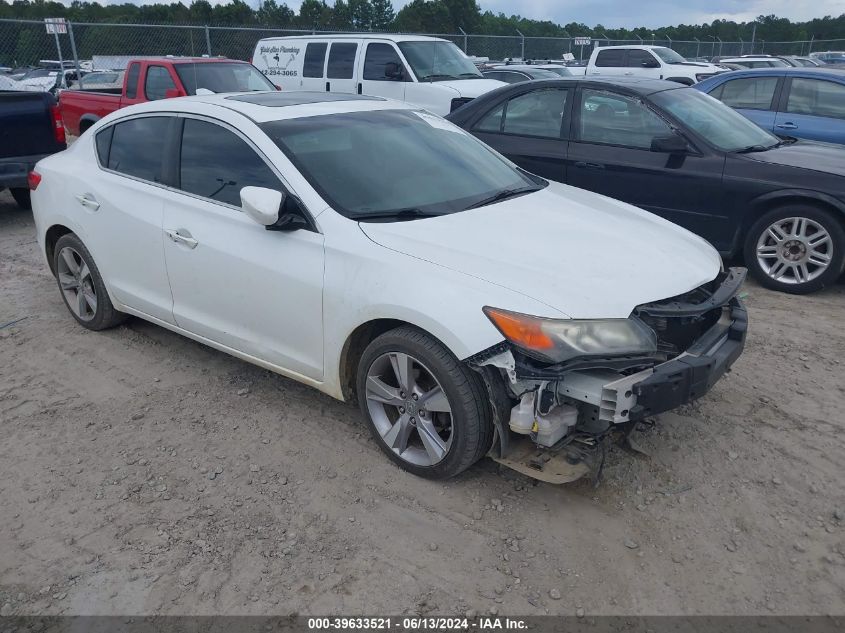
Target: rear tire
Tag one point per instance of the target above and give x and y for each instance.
(434, 424)
(82, 287)
(21, 196)
(796, 249)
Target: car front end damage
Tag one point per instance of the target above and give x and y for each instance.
(553, 419)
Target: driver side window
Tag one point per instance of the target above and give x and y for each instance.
(376, 62)
(158, 83)
(614, 119)
(641, 59)
(216, 164)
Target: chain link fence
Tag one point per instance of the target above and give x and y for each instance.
(26, 43)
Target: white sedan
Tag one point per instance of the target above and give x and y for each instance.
(382, 255)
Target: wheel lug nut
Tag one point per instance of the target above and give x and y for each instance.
(401, 394)
(416, 397)
(422, 413)
(413, 421)
(401, 409)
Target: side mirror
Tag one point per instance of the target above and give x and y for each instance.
(651, 63)
(673, 144)
(393, 71)
(262, 205)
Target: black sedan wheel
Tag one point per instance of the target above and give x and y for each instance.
(796, 249)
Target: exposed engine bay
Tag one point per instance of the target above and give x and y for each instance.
(552, 420)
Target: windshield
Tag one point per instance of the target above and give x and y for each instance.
(719, 124)
(542, 73)
(558, 70)
(222, 77)
(390, 161)
(438, 61)
(39, 72)
(668, 55)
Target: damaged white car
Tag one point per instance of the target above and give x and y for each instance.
(384, 256)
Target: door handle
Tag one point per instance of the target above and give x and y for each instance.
(177, 237)
(628, 73)
(360, 88)
(584, 165)
(787, 126)
(328, 86)
(88, 201)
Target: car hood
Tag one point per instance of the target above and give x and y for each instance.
(471, 88)
(823, 157)
(581, 254)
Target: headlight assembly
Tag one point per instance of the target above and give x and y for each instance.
(559, 340)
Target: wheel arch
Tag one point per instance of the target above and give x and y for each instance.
(776, 199)
(354, 347)
(51, 236)
(86, 121)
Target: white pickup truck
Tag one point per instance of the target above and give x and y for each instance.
(655, 62)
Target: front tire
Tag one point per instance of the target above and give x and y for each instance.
(427, 411)
(21, 196)
(82, 287)
(797, 249)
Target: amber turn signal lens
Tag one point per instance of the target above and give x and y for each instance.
(520, 329)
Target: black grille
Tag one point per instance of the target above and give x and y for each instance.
(677, 332)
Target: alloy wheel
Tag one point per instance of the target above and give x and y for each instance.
(77, 284)
(794, 250)
(409, 409)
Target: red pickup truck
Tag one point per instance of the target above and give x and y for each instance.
(149, 79)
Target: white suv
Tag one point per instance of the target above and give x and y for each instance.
(656, 62)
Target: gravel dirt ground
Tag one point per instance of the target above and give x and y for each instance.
(142, 473)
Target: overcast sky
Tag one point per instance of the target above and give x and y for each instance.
(651, 13)
(627, 13)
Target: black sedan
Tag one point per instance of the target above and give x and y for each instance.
(669, 149)
(517, 73)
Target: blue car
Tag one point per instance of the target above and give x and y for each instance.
(806, 103)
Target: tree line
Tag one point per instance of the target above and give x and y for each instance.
(419, 16)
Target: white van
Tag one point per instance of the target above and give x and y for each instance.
(428, 72)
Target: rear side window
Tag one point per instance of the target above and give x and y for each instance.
(817, 97)
(315, 59)
(377, 59)
(158, 83)
(537, 113)
(341, 61)
(492, 122)
(137, 147)
(217, 164)
(132, 80)
(104, 144)
(753, 93)
(614, 58)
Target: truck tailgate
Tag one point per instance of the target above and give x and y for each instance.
(26, 124)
